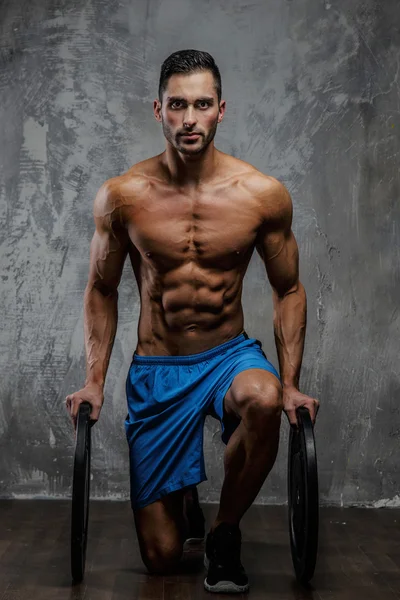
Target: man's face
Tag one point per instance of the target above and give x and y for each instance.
(190, 105)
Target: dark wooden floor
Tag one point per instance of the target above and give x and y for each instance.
(359, 556)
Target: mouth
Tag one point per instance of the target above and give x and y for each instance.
(191, 136)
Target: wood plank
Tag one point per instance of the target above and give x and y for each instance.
(359, 556)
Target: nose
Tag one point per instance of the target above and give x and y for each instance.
(189, 118)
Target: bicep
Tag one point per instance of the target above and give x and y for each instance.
(277, 245)
(280, 254)
(108, 248)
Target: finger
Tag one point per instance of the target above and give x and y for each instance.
(68, 406)
(74, 409)
(291, 415)
(74, 420)
(312, 407)
(95, 413)
(316, 405)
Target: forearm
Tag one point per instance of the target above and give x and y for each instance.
(290, 320)
(100, 326)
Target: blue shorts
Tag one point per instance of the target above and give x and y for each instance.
(168, 400)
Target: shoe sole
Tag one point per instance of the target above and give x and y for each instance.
(227, 587)
(194, 540)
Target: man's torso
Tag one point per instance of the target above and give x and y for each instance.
(190, 250)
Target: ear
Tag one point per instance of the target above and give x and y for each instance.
(157, 110)
(222, 108)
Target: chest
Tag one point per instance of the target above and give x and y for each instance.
(207, 230)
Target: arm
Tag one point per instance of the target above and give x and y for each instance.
(277, 247)
(108, 251)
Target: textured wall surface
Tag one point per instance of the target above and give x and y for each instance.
(312, 95)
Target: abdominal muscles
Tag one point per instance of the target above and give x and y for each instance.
(191, 298)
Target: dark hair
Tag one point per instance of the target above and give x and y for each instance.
(188, 61)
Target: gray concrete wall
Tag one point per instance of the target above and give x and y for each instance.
(312, 96)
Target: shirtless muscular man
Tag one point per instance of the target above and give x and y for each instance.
(189, 219)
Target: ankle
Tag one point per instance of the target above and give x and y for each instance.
(190, 493)
(219, 521)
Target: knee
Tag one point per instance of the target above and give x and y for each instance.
(162, 557)
(262, 404)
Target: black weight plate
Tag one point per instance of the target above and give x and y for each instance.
(80, 493)
(303, 497)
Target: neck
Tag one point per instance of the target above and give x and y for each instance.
(190, 170)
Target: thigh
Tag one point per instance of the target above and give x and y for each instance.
(160, 525)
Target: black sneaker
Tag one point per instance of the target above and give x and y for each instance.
(222, 559)
(195, 517)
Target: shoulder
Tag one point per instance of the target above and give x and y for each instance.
(272, 197)
(266, 188)
(117, 195)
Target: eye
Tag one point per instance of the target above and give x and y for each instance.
(204, 102)
(174, 103)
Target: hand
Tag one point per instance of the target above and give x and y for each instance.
(292, 399)
(91, 393)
